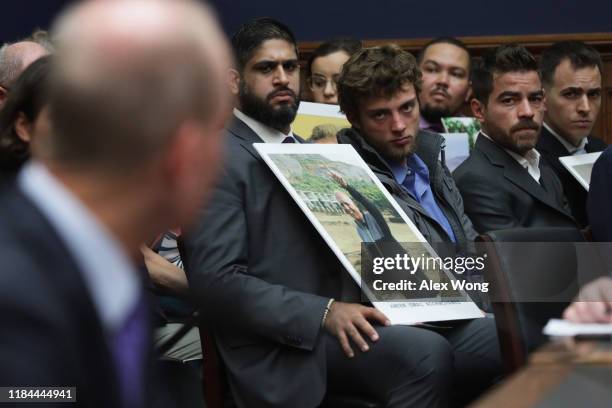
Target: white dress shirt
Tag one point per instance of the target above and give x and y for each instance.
(530, 161)
(571, 149)
(266, 133)
(110, 276)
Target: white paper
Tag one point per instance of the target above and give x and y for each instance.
(563, 328)
(277, 155)
(581, 167)
(456, 150)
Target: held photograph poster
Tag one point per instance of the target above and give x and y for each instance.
(349, 207)
(581, 167)
(313, 118)
(463, 124)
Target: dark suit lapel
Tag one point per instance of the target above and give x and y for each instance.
(247, 136)
(46, 247)
(514, 172)
(552, 149)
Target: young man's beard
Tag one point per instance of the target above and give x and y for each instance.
(278, 118)
(434, 114)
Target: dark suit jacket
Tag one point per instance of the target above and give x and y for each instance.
(50, 332)
(599, 203)
(263, 278)
(498, 193)
(551, 149)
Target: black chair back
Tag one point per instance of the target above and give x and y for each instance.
(533, 275)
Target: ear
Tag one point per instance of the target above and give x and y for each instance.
(469, 93)
(234, 81)
(190, 165)
(478, 109)
(23, 128)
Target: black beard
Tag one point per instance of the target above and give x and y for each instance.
(277, 118)
(434, 115)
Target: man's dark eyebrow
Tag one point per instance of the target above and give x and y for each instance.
(381, 110)
(274, 63)
(508, 93)
(580, 89)
(537, 93)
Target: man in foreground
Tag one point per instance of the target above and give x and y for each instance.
(126, 162)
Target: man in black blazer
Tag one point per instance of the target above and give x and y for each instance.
(571, 75)
(120, 167)
(266, 280)
(503, 183)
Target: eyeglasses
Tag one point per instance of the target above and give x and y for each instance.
(320, 82)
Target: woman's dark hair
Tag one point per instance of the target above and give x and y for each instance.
(28, 95)
(346, 44)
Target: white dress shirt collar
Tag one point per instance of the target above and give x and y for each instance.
(530, 161)
(571, 149)
(109, 275)
(266, 133)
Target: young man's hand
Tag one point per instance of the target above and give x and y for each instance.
(349, 322)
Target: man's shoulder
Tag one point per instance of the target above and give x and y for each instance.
(595, 144)
(472, 165)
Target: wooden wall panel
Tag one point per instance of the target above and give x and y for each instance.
(535, 43)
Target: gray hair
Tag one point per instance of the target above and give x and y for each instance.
(10, 66)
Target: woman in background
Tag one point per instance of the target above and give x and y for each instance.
(325, 65)
(24, 117)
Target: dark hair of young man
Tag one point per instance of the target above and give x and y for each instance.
(443, 40)
(346, 44)
(28, 96)
(579, 54)
(252, 34)
(500, 60)
(374, 72)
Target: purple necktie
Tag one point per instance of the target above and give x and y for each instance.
(288, 139)
(129, 346)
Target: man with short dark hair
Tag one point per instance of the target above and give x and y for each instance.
(571, 75)
(445, 64)
(270, 281)
(503, 183)
(126, 162)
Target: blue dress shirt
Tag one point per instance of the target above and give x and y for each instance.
(414, 178)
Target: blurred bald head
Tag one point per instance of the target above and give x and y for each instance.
(14, 59)
(128, 75)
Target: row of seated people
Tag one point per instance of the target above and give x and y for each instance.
(285, 328)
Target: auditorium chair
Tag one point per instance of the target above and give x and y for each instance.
(544, 275)
(216, 389)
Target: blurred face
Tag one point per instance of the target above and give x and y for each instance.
(324, 77)
(446, 85)
(514, 112)
(573, 101)
(390, 125)
(270, 85)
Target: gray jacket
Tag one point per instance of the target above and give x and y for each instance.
(442, 184)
